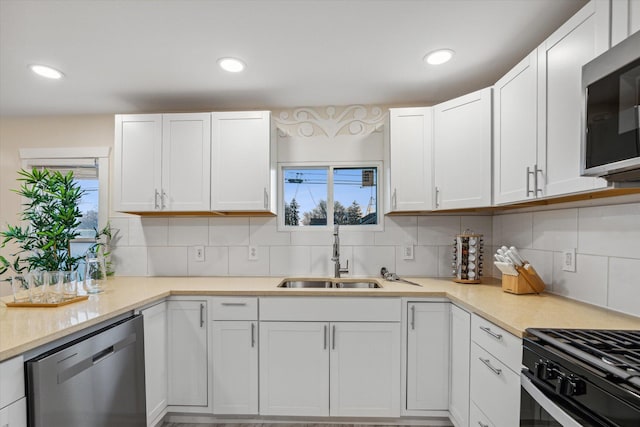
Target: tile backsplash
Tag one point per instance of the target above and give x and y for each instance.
(606, 240)
(165, 246)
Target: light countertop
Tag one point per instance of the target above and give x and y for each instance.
(23, 329)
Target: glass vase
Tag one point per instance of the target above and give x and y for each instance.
(95, 274)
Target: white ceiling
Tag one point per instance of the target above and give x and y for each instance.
(133, 56)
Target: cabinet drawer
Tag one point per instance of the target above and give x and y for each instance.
(11, 381)
(497, 341)
(14, 415)
(338, 309)
(495, 389)
(233, 308)
(477, 418)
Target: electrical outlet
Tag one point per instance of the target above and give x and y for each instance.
(198, 253)
(569, 260)
(407, 252)
(253, 253)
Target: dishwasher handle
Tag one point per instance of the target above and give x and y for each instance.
(102, 354)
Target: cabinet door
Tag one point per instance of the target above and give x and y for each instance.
(14, 415)
(625, 19)
(155, 359)
(428, 356)
(235, 367)
(186, 162)
(515, 133)
(462, 151)
(187, 355)
(560, 99)
(294, 368)
(411, 158)
(460, 352)
(365, 369)
(241, 161)
(138, 163)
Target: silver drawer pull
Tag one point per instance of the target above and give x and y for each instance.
(253, 334)
(488, 364)
(324, 335)
(481, 424)
(234, 304)
(490, 332)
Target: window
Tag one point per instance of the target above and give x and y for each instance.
(90, 168)
(321, 196)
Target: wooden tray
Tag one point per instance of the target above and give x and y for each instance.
(47, 304)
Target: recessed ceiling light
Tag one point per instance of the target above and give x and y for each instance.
(44, 71)
(232, 65)
(439, 56)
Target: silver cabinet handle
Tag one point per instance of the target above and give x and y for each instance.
(437, 194)
(529, 172)
(488, 364)
(333, 338)
(253, 334)
(266, 199)
(394, 199)
(236, 304)
(536, 171)
(413, 317)
(163, 205)
(490, 332)
(156, 205)
(324, 336)
(201, 315)
(481, 424)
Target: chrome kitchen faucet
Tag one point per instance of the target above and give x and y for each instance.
(336, 253)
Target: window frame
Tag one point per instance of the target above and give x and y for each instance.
(330, 166)
(31, 157)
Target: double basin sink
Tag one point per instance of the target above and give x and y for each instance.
(329, 284)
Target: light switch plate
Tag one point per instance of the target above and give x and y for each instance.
(253, 253)
(407, 252)
(198, 253)
(569, 260)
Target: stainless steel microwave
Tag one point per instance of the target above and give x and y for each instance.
(611, 118)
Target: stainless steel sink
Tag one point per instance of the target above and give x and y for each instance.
(353, 285)
(322, 283)
(305, 284)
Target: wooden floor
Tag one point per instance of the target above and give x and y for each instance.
(274, 425)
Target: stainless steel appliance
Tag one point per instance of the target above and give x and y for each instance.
(580, 378)
(96, 380)
(611, 120)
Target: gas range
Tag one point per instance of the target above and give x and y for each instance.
(592, 376)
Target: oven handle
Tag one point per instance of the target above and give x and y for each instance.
(554, 410)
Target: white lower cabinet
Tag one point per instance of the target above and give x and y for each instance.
(365, 369)
(188, 378)
(313, 366)
(477, 418)
(13, 404)
(14, 415)
(496, 358)
(155, 360)
(459, 380)
(427, 356)
(337, 369)
(234, 336)
(294, 368)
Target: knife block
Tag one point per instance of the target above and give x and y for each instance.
(526, 282)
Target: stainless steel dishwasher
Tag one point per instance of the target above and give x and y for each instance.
(96, 380)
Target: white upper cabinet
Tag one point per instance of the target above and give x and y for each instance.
(411, 159)
(560, 98)
(462, 151)
(186, 150)
(537, 108)
(162, 162)
(515, 137)
(138, 162)
(243, 162)
(625, 19)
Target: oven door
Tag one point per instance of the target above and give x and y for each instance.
(538, 409)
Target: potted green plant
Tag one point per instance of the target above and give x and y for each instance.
(50, 217)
